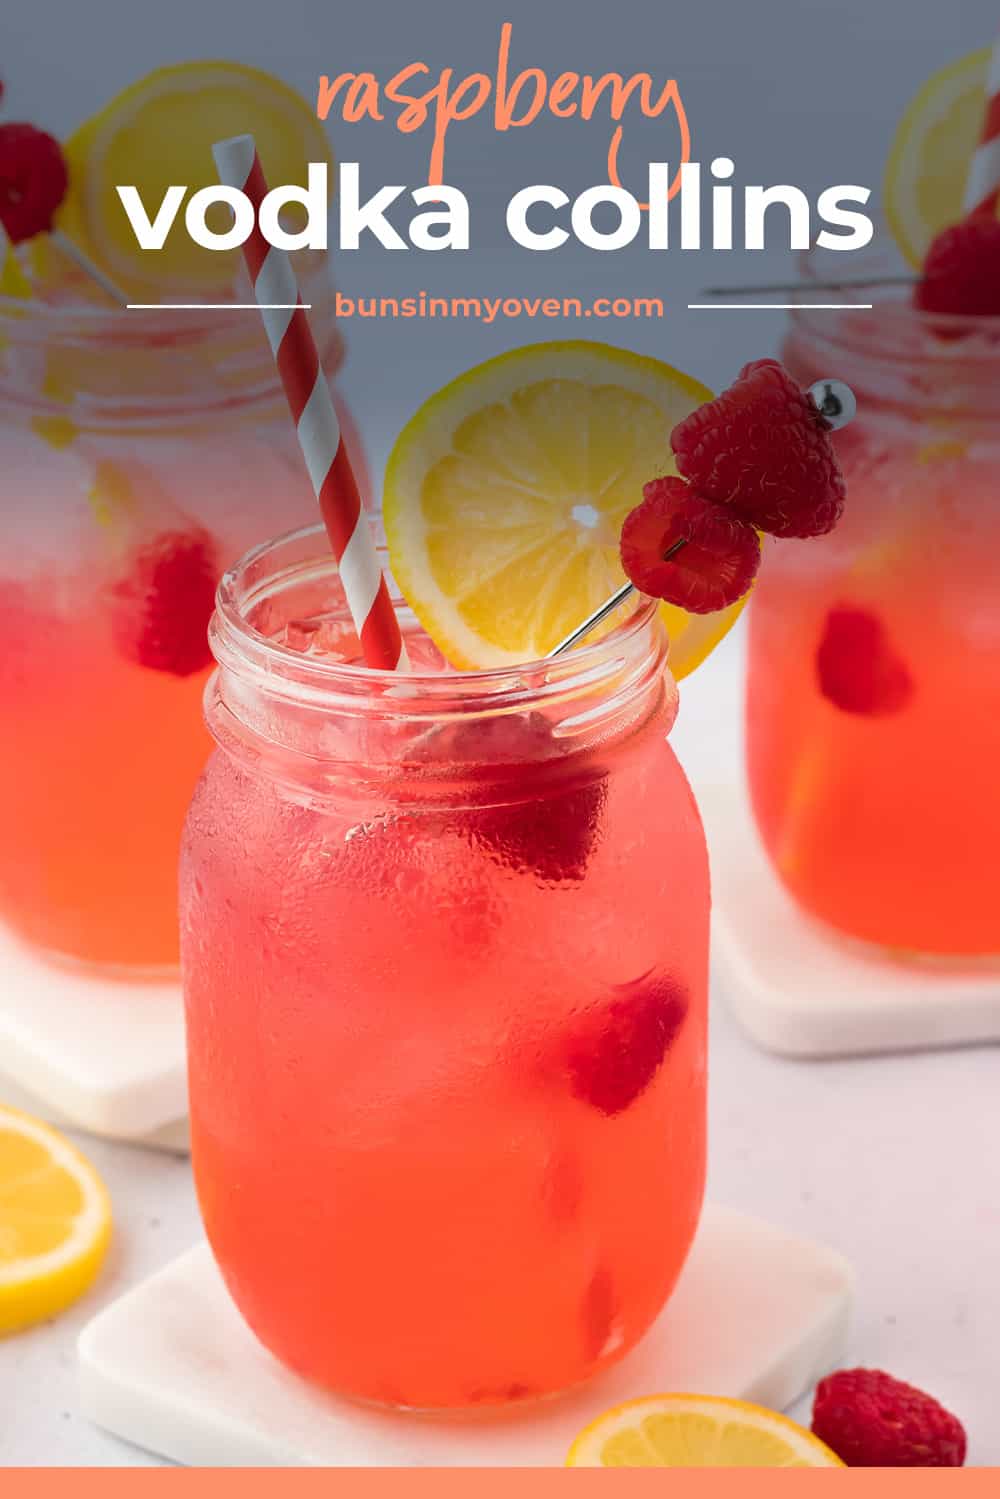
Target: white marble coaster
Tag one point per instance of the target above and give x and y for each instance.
(92, 1053)
(171, 1367)
(796, 989)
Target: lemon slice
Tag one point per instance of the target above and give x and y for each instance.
(13, 282)
(505, 495)
(697, 1431)
(55, 1222)
(929, 160)
(158, 132)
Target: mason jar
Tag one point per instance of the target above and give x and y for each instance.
(142, 452)
(873, 693)
(445, 950)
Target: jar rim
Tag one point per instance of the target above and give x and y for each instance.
(892, 331)
(101, 321)
(637, 644)
(104, 367)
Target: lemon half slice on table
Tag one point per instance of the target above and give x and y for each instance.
(697, 1431)
(505, 496)
(159, 132)
(55, 1222)
(929, 160)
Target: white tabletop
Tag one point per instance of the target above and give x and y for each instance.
(893, 1161)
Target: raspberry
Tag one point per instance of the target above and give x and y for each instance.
(553, 836)
(716, 565)
(871, 1420)
(33, 181)
(857, 668)
(554, 832)
(619, 1048)
(961, 276)
(764, 449)
(161, 608)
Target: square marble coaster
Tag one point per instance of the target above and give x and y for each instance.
(797, 989)
(93, 1053)
(171, 1367)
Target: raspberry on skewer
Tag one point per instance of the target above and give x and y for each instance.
(962, 271)
(33, 183)
(677, 545)
(758, 458)
(763, 447)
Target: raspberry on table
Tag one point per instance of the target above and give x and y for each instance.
(763, 449)
(961, 275)
(871, 1420)
(715, 566)
(856, 666)
(33, 180)
(161, 607)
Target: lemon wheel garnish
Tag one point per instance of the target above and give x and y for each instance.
(159, 132)
(929, 160)
(697, 1431)
(55, 1222)
(13, 281)
(505, 495)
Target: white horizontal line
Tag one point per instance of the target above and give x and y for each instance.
(780, 306)
(215, 306)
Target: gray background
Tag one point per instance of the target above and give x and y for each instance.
(799, 91)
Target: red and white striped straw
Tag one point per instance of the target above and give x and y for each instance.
(982, 191)
(308, 394)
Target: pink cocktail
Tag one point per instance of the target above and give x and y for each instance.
(873, 704)
(141, 454)
(444, 946)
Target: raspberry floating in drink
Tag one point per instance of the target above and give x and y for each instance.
(162, 603)
(857, 667)
(552, 838)
(620, 1046)
(555, 838)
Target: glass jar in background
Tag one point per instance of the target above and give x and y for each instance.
(873, 698)
(445, 949)
(140, 454)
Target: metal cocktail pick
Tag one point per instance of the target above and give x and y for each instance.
(849, 283)
(834, 400)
